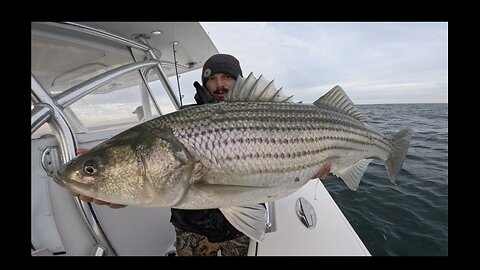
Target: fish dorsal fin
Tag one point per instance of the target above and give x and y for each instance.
(251, 220)
(353, 174)
(253, 89)
(338, 100)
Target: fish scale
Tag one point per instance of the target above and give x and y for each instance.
(251, 134)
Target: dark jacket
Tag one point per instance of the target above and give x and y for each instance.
(209, 222)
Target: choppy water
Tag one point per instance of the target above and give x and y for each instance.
(410, 218)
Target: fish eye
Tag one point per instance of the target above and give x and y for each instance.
(89, 168)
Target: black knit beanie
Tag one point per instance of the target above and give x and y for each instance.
(221, 63)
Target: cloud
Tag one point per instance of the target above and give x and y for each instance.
(397, 62)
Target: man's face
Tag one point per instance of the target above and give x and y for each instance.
(219, 84)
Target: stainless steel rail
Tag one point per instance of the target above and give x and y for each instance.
(68, 144)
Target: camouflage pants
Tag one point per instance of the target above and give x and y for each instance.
(192, 244)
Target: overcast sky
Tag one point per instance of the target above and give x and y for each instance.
(374, 63)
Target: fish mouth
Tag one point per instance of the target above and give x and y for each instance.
(72, 185)
(64, 182)
(59, 179)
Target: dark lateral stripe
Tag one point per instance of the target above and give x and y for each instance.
(290, 111)
(342, 134)
(294, 151)
(288, 155)
(258, 123)
(284, 117)
(268, 117)
(287, 123)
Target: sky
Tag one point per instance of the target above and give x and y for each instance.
(374, 62)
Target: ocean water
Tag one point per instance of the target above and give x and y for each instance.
(411, 217)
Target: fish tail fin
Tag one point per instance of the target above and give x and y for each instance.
(401, 143)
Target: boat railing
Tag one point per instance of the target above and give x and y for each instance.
(69, 96)
(139, 43)
(48, 112)
(49, 109)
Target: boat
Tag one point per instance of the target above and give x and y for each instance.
(92, 80)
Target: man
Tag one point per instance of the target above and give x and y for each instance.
(208, 232)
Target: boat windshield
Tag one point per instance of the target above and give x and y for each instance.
(118, 104)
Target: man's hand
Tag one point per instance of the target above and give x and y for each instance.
(89, 199)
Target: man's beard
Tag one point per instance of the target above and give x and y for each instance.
(220, 93)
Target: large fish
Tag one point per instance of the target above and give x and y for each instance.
(255, 147)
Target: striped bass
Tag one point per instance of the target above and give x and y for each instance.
(255, 147)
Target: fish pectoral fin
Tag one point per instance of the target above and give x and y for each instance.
(353, 174)
(251, 220)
